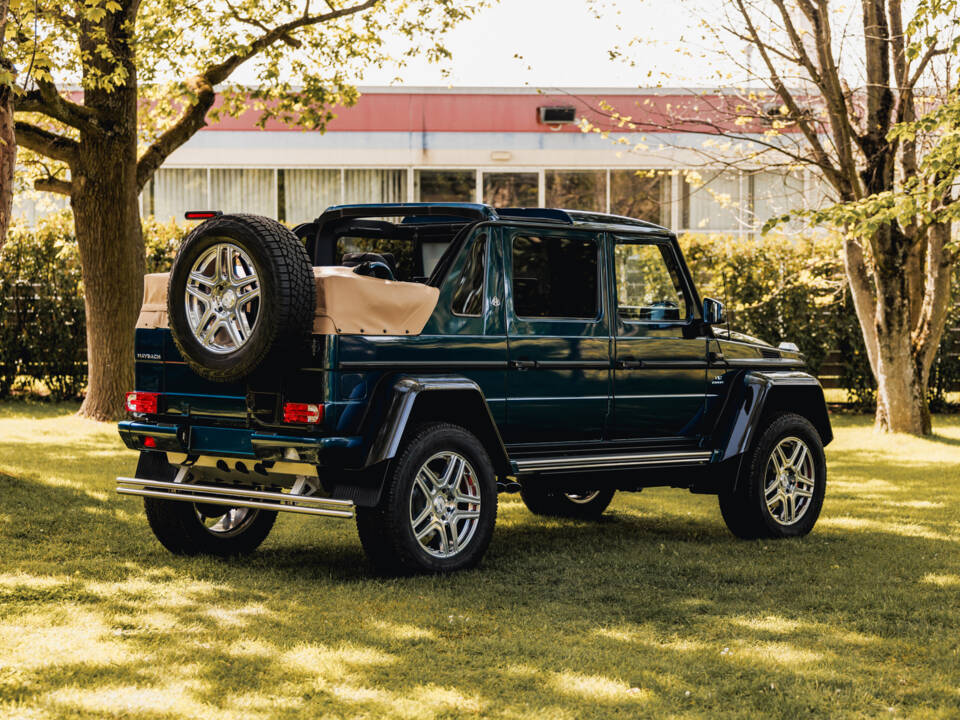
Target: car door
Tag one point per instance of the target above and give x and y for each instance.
(659, 345)
(558, 338)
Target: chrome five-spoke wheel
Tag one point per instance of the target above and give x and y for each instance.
(789, 481)
(582, 498)
(224, 521)
(445, 504)
(222, 298)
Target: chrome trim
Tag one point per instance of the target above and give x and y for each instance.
(612, 461)
(235, 497)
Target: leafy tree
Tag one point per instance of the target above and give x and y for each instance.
(149, 74)
(844, 91)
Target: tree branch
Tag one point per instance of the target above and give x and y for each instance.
(54, 185)
(53, 146)
(203, 86)
(46, 99)
(831, 172)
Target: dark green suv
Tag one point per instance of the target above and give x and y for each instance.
(402, 364)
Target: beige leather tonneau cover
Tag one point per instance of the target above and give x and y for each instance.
(347, 304)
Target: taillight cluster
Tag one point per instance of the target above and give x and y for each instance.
(308, 413)
(142, 402)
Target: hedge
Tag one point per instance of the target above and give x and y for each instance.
(42, 329)
(776, 288)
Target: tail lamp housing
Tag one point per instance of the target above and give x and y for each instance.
(142, 402)
(303, 413)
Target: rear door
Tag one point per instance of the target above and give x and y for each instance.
(558, 338)
(660, 349)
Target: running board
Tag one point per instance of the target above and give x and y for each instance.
(235, 497)
(592, 462)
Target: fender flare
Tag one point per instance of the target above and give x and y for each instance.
(408, 398)
(759, 393)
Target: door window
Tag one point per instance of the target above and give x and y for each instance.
(555, 277)
(648, 284)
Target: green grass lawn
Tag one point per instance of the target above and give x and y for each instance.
(654, 612)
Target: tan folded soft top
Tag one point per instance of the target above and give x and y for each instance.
(347, 304)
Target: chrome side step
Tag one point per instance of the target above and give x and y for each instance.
(586, 462)
(235, 497)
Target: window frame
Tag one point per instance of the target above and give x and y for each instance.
(594, 237)
(693, 315)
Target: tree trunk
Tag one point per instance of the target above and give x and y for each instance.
(106, 211)
(107, 218)
(8, 150)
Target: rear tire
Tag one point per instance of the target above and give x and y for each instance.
(782, 482)
(555, 503)
(182, 527)
(191, 529)
(438, 507)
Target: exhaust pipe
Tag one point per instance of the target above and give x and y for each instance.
(235, 497)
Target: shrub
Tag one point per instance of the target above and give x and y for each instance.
(42, 328)
(43, 334)
(778, 289)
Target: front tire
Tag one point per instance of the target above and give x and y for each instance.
(782, 482)
(586, 505)
(438, 508)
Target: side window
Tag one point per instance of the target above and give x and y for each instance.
(555, 277)
(648, 284)
(468, 293)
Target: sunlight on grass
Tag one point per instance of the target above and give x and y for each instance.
(654, 611)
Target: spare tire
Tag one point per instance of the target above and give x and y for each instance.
(241, 297)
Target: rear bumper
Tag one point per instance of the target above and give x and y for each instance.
(235, 496)
(239, 443)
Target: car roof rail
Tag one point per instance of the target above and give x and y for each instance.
(549, 214)
(469, 211)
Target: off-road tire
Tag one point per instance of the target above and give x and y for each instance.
(385, 530)
(744, 508)
(180, 531)
(554, 503)
(287, 295)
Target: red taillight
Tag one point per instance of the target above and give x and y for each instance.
(150, 442)
(310, 413)
(201, 214)
(142, 402)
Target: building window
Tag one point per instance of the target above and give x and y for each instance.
(511, 189)
(773, 194)
(243, 190)
(577, 189)
(305, 194)
(176, 190)
(445, 185)
(375, 186)
(716, 205)
(641, 194)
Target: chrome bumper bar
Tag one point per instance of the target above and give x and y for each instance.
(235, 497)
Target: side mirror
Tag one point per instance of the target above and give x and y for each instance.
(713, 313)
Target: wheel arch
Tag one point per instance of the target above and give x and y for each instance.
(413, 400)
(759, 396)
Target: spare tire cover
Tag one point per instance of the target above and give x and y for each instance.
(240, 297)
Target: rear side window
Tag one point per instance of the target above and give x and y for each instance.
(468, 293)
(555, 277)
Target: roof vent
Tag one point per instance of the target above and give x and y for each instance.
(557, 114)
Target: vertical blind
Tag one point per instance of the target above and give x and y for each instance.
(307, 193)
(727, 201)
(177, 190)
